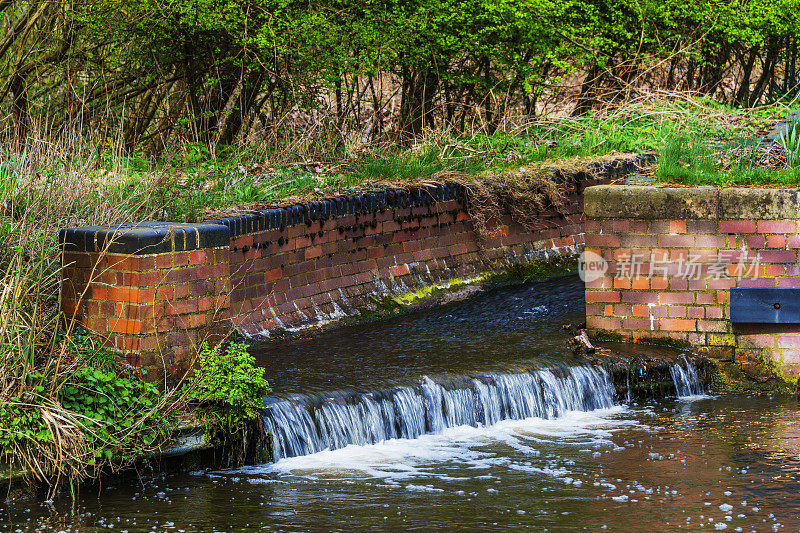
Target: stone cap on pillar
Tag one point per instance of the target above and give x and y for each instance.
(144, 238)
(652, 202)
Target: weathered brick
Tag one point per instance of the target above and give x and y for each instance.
(606, 323)
(778, 256)
(677, 226)
(601, 240)
(639, 297)
(737, 226)
(777, 226)
(677, 324)
(675, 298)
(602, 296)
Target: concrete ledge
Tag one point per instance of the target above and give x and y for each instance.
(144, 238)
(654, 202)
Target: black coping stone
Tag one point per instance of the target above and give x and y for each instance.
(144, 238)
(765, 305)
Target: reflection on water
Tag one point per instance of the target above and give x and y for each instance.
(483, 333)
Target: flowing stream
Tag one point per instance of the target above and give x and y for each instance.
(302, 426)
(473, 417)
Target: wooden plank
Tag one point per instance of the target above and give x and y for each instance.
(765, 306)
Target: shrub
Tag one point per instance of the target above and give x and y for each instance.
(229, 380)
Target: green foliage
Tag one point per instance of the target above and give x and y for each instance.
(232, 384)
(120, 414)
(465, 64)
(95, 419)
(790, 140)
(20, 425)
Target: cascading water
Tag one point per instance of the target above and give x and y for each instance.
(685, 378)
(304, 425)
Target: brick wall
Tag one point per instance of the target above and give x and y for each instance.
(155, 291)
(157, 308)
(328, 266)
(674, 254)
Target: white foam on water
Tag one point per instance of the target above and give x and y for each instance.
(473, 448)
(696, 397)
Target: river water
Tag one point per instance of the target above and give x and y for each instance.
(485, 455)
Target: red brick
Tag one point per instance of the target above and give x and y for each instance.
(164, 293)
(622, 282)
(788, 341)
(757, 282)
(313, 252)
(99, 293)
(602, 240)
(677, 311)
(609, 323)
(737, 226)
(777, 226)
(715, 326)
(399, 270)
(678, 284)
(423, 255)
(122, 325)
(164, 261)
(195, 321)
(721, 283)
(696, 312)
(639, 324)
(677, 324)
(273, 274)
(677, 226)
(199, 256)
(602, 296)
(617, 226)
(675, 298)
(776, 241)
(756, 241)
(710, 241)
(702, 226)
(698, 284)
(757, 341)
(639, 297)
(676, 241)
(779, 256)
(658, 283)
(500, 231)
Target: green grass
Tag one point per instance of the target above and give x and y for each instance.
(734, 163)
(190, 184)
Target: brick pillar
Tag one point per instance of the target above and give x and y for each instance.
(152, 291)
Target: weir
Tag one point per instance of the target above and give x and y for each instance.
(303, 425)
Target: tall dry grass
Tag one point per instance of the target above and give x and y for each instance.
(45, 186)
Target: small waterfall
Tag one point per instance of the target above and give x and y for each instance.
(304, 425)
(685, 378)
